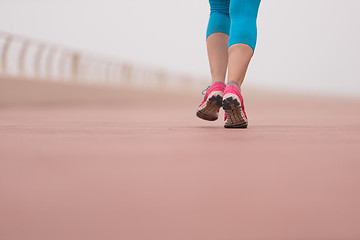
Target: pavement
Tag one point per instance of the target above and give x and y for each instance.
(144, 167)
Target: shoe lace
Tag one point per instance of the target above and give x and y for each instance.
(204, 91)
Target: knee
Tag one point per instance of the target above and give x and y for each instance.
(219, 17)
(243, 14)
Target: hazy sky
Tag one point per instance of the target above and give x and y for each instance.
(308, 45)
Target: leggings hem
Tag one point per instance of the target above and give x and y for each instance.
(208, 35)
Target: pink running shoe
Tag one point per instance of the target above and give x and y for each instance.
(209, 107)
(233, 104)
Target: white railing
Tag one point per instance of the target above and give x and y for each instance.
(31, 59)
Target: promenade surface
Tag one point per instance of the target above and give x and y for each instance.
(144, 167)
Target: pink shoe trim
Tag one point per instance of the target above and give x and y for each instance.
(235, 90)
(216, 86)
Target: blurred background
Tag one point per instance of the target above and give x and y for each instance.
(99, 137)
(306, 46)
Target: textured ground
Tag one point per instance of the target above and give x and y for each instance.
(147, 168)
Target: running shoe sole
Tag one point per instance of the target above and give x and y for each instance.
(209, 110)
(235, 115)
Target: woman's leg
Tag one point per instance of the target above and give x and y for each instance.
(217, 48)
(242, 41)
(218, 38)
(239, 58)
(217, 43)
(243, 35)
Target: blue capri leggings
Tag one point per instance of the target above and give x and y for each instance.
(237, 18)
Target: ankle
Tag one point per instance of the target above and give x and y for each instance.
(233, 83)
(214, 81)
